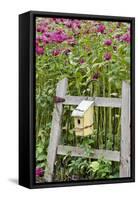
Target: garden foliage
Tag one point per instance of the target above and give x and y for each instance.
(95, 57)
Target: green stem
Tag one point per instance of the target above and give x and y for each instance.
(118, 130)
(110, 110)
(104, 117)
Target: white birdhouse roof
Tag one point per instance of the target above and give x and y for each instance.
(82, 108)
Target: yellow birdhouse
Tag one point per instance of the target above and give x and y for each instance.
(83, 118)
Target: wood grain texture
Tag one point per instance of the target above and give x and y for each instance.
(125, 131)
(96, 153)
(98, 101)
(55, 129)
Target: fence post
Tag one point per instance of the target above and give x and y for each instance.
(125, 131)
(55, 129)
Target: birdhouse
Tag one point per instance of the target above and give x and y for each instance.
(83, 118)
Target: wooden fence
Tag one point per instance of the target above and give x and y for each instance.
(122, 156)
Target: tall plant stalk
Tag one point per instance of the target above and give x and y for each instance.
(110, 109)
(104, 117)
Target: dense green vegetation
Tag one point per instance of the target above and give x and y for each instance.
(95, 57)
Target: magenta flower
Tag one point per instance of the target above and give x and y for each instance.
(48, 36)
(38, 29)
(39, 50)
(71, 41)
(58, 36)
(75, 24)
(95, 76)
(56, 52)
(118, 36)
(39, 38)
(57, 20)
(68, 23)
(45, 39)
(126, 38)
(108, 42)
(41, 29)
(101, 28)
(39, 171)
(107, 56)
(81, 61)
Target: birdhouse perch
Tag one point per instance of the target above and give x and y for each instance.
(83, 118)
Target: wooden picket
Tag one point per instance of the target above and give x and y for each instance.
(55, 129)
(55, 149)
(125, 132)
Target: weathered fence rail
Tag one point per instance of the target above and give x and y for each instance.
(96, 153)
(98, 101)
(122, 156)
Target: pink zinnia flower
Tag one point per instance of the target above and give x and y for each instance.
(108, 42)
(107, 56)
(39, 171)
(101, 28)
(39, 50)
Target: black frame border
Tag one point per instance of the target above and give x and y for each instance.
(27, 176)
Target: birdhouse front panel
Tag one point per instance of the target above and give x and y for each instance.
(83, 118)
(79, 124)
(88, 122)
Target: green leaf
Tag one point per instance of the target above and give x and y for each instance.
(95, 166)
(41, 157)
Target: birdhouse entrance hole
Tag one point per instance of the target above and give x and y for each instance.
(78, 121)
